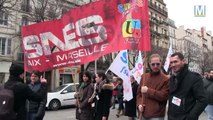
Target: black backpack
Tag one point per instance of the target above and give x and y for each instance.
(6, 104)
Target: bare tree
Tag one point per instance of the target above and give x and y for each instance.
(7, 4)
(191, 51)
(206, 60)
(44, 10)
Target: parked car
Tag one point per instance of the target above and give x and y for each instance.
(61, 96)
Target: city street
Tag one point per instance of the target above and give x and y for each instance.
(69, 114)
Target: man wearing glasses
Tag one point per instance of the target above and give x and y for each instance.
(187, 99)
(153, 91)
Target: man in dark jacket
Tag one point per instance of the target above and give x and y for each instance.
(208, 85)
(21, 91)
(186, 98)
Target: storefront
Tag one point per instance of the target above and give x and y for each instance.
(69, 75)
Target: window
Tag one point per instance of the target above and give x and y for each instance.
(5, 46)
(71, 88)
(3, 18)
(156, 28)
(24, 21)
(25, 6)
(159, 7)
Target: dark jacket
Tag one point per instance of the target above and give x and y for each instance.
(37, 107)
(21, 93)
(186, 98)
(120, 88)
(208, 85)
(85, 92)
(103, 102)
(130, 106)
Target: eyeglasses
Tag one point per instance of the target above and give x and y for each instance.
(157, 64)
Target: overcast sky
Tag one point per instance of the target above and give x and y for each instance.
(182, 12)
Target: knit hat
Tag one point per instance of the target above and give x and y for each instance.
(16, 69)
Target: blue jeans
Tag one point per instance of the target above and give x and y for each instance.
(160, 118)
(209, 112)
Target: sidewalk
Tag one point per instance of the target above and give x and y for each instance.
(113, 112)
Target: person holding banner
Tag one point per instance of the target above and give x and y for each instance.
(153, 91)
(130, 106)
(84, 109)
(104, 90)
(187, 98)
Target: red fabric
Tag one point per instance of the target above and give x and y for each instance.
(86, 33)
(114, 92)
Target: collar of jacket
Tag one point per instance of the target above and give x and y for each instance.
(84, 84)
(15, 78)
(180, 76)
(176, 79)
(108, 86)
(104, 85)
(210, 79)
(36, 82)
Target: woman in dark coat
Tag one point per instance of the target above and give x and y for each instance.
(103, 98)
(130, 106)
(84, 107)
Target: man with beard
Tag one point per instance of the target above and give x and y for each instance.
(153, 91)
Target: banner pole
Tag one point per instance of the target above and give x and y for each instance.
(144, 79)
(25, 76)
(95, 66)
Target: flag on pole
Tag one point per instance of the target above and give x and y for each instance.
(120, 67)
(137, 71)
(166, 65)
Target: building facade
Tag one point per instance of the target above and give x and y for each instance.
(25, 12)
(195, 44)
(158, 23)
(171, 33)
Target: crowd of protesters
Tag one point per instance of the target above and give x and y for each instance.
(186, 93)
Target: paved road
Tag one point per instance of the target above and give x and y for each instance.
(69, 114)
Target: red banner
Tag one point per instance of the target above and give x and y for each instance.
(86, 33)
